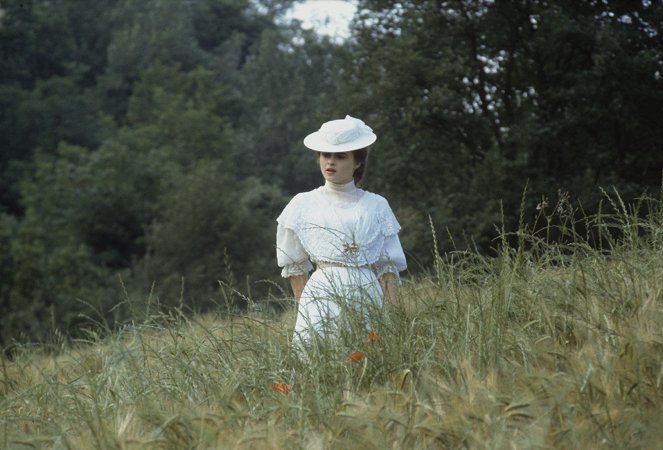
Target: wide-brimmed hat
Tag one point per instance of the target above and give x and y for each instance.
(342, 135)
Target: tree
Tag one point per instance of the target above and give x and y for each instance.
(288, 87)
(88, 211)
(116, 131)
(51, 55)
(474, 100)
(51, 271)
(212, 228)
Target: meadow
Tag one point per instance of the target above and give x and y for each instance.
(555, 341)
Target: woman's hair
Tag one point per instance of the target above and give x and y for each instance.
(361, 156)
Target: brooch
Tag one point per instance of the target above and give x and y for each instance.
(350, 248)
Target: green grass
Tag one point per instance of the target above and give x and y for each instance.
(548, 345)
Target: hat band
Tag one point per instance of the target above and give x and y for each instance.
(336, 138)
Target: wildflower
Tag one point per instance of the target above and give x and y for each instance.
(281, 388)
(542, 205)
(357, 356)
(373, 336)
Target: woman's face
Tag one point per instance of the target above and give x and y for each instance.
(338, 167)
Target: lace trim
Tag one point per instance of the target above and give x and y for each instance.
(291, 270)
(389, 267)
(388, 221)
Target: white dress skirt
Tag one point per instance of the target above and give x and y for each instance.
(337, 296)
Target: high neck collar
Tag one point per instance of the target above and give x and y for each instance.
(347, 187)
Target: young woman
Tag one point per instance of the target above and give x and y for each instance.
(349, 235)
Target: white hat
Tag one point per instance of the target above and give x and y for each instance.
(343, 135)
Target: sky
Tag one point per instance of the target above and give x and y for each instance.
(330, 17)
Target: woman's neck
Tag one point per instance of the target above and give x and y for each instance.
(346, 187)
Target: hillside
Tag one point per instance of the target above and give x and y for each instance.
(543, 346)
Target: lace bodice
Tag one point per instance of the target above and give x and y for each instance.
(338, 224)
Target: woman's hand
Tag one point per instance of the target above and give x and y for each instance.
(388, 281)
(297, 283)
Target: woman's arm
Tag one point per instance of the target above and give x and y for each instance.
(290, 255)
(388, 281)
(297, 283)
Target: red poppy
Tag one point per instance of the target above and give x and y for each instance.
(373, 336)
(281, 388)
(357, 356)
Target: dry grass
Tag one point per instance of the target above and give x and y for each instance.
(527, 350)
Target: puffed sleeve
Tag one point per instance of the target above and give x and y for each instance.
(392, 257)
(290, 253)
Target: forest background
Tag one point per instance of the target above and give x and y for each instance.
(149, 145)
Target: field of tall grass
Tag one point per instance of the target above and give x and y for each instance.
(556, 341)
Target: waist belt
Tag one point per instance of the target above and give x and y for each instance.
(326, 264)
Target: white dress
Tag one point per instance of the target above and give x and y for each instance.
(351, 236)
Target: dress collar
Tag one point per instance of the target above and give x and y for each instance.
(347, 187)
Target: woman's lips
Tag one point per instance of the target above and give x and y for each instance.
(330, 171)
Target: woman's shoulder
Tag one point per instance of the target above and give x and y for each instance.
(301, 200)
(382, 211)
(304, 197)
(376, 199)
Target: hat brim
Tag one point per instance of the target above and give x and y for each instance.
(314, 141)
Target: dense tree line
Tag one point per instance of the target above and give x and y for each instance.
(476, 99)
(147, 146)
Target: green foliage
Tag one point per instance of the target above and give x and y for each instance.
(58, 110)
(81, 218)
(109, 115)
(474, 100)
(208, 221)
(188, 114)
(158, 200)
(288, 88)
(51, 54)
(151, 32)
(231, 27)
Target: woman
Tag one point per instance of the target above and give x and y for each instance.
(348, 234)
